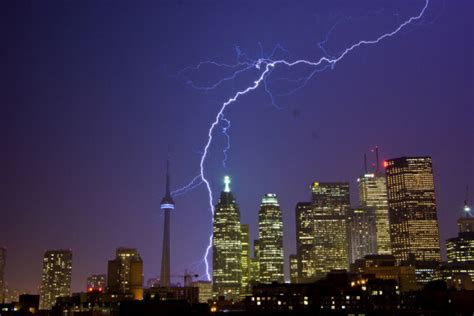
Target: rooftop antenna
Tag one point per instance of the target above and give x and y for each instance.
(365, 163)
(467, 209)
(377, 158)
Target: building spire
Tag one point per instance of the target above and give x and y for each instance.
(467, 208)
(377, 163)
(227, 184)
(167, 201)
(365, 164)
(168, 176)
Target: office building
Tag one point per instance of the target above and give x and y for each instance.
(412, 209)
(373, 193)
(331, 202)
(293, 268)
(245, 257)
(460, 249)
(362, 232)
(255, 264)
(270, 227)
(227, 246)
(305, 242)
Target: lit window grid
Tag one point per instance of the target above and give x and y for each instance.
(56, 277)
(411, 198)
(227, 247)
(373, 193)
(271, 255)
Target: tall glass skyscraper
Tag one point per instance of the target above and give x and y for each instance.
(331, 202)
(255, 264)
(412, 209)
(245, 263)
(306, 271)
(56, 278)
(362, 233)
(270, 228)
(227, 246)
(373, 194)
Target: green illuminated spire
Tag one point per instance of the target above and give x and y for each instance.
(227, 183)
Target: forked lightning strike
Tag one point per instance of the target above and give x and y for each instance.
(266, 65)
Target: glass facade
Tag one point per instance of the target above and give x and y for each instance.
(293, 268)
(362, 233)
(227, 246)
(255, 264)
(373, 193)
(245, 240)
(304, 242)
(412, 209)
(331, 202)
(270, 228)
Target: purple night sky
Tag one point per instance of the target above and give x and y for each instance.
(90, 101)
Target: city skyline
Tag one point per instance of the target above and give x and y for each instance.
(85, 130)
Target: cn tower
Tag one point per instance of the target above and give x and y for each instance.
(167, 204)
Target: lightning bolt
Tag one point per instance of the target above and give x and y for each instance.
(224, 131)
(265, 66)
(195, 182)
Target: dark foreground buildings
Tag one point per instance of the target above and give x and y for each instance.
(339, 293)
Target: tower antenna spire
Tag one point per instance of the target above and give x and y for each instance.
(365, 163)
(167, 204)
(467, 208)
(168, 174)
(377, 158)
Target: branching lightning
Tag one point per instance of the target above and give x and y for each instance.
(224, 131)
(265, 67)
(195, 182)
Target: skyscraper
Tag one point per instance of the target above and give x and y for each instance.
(56, 278)
(460, 249)
(362, 233)
(125, 273)
(97, 282)
(270, 228)
(227, 246)
(412, 209)
(293, 259)
(373, 193)
(305, 242)
(331, 202)
(3, 261)
(466, 223)
(167, 204)
(245, 241)
(255, 264)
